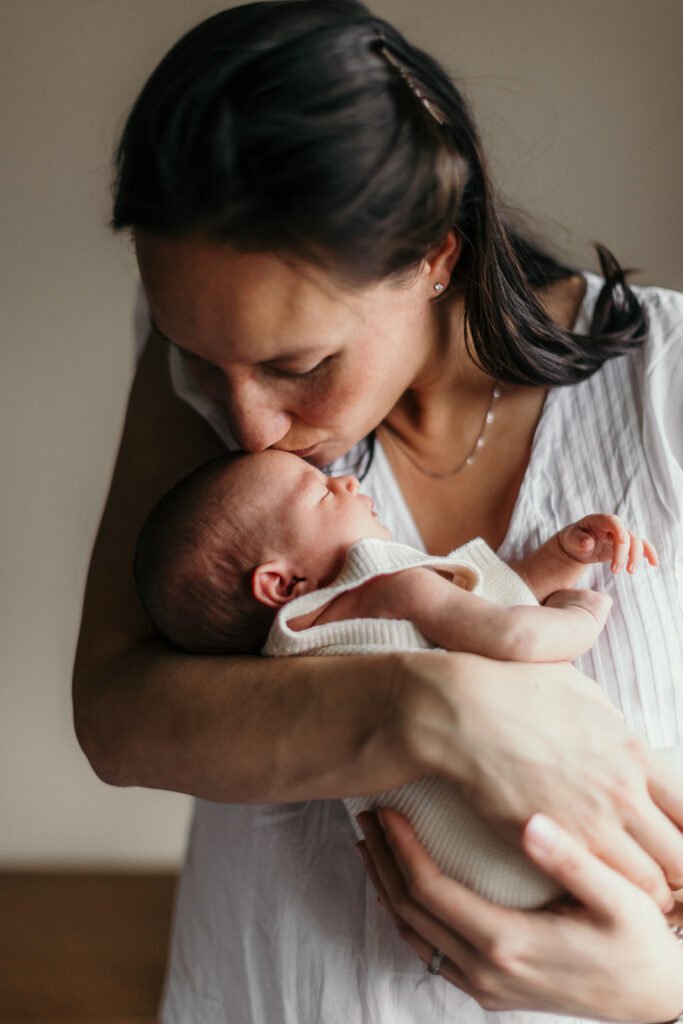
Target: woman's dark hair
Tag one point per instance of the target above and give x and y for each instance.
(284, 127)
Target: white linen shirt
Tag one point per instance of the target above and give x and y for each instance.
(276, 921)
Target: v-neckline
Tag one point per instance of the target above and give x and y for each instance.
(401, 511)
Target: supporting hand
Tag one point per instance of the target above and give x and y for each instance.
(604, 952)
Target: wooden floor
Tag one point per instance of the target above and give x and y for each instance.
(83, 948)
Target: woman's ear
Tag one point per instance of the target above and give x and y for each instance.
(440, 262)
(275, 583)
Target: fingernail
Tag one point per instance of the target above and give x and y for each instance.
(382, 819)
(542, 832)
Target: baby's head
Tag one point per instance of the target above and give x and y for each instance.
(238, 538)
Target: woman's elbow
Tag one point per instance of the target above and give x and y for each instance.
(94, 727)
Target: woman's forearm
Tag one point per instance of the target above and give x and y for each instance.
(252, 730)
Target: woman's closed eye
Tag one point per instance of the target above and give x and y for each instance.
(195, 360)
(280, 371)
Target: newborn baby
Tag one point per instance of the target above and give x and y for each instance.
(244, 535)
(266, 552)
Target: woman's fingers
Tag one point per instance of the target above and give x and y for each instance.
(423, 946)
(476, 920)
(379, 862)
(637, 856)
(394, 875)
(655, 832)
(593, 883)
(581, 958)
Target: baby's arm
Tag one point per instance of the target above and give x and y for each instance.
(560, 562)
(453, 618)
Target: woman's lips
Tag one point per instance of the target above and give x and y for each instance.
(303, 453)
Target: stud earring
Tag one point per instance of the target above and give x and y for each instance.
(438, 287)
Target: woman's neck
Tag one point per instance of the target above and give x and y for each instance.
(450, 383)
(449, 380)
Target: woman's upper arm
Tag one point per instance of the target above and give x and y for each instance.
(162, 440)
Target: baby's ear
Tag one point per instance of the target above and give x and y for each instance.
(275, 583)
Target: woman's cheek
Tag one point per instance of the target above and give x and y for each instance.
(334, 402)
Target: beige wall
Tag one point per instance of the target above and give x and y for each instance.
(580, 103)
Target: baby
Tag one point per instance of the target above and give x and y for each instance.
(264, 552)
(245, 535)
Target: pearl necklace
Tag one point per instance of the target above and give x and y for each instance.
(469, 460)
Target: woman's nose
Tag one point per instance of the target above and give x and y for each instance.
(256, 423)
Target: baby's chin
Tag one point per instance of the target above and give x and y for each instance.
(378, 530)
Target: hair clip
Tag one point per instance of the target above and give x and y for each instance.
(384, 50)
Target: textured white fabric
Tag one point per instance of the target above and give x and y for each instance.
(276, 922)
(462, 844)
(486, 577)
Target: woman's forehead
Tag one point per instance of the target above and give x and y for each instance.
(207, 296)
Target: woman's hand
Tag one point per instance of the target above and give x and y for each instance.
(525, 738)
(607, 952)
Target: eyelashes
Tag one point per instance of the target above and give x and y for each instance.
(292, 375)
(194, 360)
(189, 357)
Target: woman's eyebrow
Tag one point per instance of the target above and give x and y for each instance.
(281, 357)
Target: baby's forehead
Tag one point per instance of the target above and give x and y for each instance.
(275, 471)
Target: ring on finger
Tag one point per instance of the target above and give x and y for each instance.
(434, 965)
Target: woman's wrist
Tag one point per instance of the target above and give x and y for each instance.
(431, 696)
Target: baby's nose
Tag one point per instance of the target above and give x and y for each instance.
(350, 484)
(345, 483)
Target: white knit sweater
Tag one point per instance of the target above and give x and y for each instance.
(461, 842)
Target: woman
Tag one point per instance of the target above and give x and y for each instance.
(324, 259)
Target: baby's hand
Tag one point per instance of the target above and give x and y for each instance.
(603, 538)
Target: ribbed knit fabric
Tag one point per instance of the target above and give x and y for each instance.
(276, 921)
(462, 844)
(487, 577)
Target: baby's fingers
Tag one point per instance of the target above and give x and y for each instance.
(620, 539)
(651, 555)
(635, 553)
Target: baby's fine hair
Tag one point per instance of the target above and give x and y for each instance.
(193, 565)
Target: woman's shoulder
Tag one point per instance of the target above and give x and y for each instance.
(662, 351)
(664, 310)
